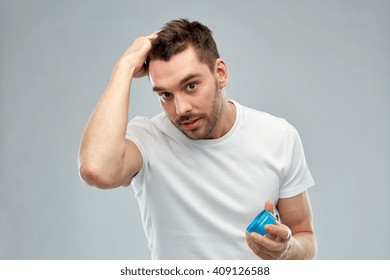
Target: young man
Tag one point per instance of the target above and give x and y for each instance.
(205, 167)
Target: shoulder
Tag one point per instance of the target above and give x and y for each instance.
(146, 124)
(141, 130)
(265, 122)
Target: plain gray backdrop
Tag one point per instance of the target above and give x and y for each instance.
(322, 65)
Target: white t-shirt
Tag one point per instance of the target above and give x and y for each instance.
(197, 197)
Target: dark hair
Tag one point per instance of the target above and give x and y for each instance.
(178, 35)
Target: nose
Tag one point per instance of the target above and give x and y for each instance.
(183, 105)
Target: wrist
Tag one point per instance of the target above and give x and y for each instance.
(124, 65)
(290, 250)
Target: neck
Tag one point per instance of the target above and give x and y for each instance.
(226, 119)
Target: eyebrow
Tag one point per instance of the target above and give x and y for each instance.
(182, 81)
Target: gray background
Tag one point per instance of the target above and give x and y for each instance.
(322, 65)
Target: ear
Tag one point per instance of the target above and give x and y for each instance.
(221, 72)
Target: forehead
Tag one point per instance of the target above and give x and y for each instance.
(166, 74)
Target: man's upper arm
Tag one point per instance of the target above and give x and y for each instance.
(296, 213)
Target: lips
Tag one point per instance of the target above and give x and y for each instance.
(190, 124)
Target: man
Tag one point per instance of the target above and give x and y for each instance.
(203, 168)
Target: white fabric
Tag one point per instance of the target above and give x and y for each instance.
(198, 196)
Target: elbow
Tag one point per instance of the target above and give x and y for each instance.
(94, 176)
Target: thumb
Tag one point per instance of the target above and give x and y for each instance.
(269, 205)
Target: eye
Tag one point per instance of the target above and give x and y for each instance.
(165, 95)
(191, 86)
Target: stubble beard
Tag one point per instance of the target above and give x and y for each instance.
(210, 121)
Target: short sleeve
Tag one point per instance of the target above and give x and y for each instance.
(296, 175)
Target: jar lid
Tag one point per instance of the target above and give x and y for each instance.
(264, 218)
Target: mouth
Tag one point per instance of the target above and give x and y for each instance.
(190, 124)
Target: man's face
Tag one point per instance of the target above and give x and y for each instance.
(189, 93)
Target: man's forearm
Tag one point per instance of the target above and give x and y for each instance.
(103, 144)
(103, 147)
